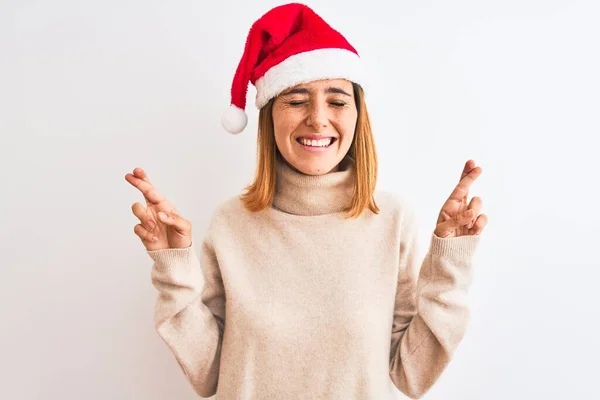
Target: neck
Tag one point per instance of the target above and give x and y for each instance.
(302, 194)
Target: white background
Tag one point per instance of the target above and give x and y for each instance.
(91, 90)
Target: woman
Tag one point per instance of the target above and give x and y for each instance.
(307, 285)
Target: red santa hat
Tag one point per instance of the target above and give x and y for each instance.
(287, 46)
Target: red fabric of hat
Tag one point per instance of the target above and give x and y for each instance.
(288, 45)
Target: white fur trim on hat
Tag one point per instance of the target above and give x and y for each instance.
(329, 63)
(234, 119)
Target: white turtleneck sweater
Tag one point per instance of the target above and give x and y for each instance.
(296, 302)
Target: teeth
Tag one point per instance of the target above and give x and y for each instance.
(316, 143)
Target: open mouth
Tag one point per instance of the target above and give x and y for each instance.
(316, 143)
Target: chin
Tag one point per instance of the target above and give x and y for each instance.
(315, 172)
(314, 167)
(312, 163)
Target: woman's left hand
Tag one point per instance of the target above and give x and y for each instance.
(456, 217)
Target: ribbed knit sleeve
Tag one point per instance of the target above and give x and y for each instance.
(190, 311)
(431, 311)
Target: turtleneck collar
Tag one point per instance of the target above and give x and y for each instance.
(300, 194)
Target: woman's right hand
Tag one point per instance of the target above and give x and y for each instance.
(155, 232)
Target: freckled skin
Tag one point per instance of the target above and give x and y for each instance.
(315, 112)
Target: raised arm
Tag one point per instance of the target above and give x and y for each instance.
(190, 311)
(431, 311)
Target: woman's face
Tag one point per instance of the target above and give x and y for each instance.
(314, 124)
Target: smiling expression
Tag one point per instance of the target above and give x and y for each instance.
(314, 124)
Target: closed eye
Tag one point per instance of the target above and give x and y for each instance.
(300, 103)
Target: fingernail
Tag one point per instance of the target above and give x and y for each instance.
(162, 215)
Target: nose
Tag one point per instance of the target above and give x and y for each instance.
(317, 116)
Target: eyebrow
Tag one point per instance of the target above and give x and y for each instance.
(331, 89)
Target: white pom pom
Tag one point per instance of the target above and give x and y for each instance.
(234, 119)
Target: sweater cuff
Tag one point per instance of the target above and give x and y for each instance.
(168, 259)
(462, 247)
